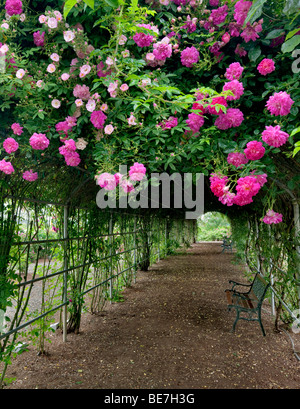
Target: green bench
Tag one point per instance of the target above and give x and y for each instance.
(227, 244)
(249, 302)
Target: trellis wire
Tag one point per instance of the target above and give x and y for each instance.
(274, 292)
(66, 239)
(277, 295)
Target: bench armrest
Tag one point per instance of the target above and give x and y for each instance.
(235, 283)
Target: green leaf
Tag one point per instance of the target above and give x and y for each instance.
(296, 130)
(291, 7)
(112, 3)
(134, 5)
(275, 33)
(90, 3)
(291, 184)
(255, 11)
(290, 44)
(69, 4)
(254, 53)
(296, 150)
(292, 33)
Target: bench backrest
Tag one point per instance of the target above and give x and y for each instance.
(259, 288)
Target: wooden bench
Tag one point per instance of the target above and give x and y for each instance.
(248, 302)
(227, 244)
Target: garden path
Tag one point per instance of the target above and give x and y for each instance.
(171, 332)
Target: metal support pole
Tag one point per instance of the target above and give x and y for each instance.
(158, 239)
(134, 246)
(273, 308)
(166, 235)
(110, 254)
(297, 233)
(65, 288)
(257, 239)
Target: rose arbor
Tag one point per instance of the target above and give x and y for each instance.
(186, 86)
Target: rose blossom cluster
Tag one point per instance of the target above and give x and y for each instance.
(6, 167)
(17, 129)
(232, 117)
(10, 145)
(84, 98)
(51, 19)
(266, 66)
(241, 10)
(254, 150)
(131, 120)
(81, 92)
(66, 125)
(30, 176)
(152, 61)
(84, 69)
(213, 107)
(189, 56)
(109, 181)
(236, 88)
(162, 49)
(114, 87)
(39, 38)
(215, 21)
(13, 7)
(195, 122)
(103, 70)
(234, 71)
(237, 159)
(274, 136)
(246, 188)
(98, 119)
(169, 123)
(39, 141)
(272, 217)
(143, 39)
(190, 24)
(68, 150)
(279, 104)
(196, 119)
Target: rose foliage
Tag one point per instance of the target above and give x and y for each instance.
(167, 85)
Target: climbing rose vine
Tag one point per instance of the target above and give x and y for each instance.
(181, 85)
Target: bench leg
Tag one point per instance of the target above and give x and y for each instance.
(236, 320)
(261, 325)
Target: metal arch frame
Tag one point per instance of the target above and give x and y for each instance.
(65, 239)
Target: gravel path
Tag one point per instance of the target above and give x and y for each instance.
(172, 331)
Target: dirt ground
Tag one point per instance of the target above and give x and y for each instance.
(172, 331)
